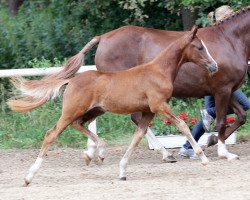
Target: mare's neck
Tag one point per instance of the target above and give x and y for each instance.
(238, 27)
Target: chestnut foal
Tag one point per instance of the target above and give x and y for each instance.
(146, 88)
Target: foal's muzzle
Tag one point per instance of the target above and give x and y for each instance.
(212, 68)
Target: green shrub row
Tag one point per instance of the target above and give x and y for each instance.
(26, 130)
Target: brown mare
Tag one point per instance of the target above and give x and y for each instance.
(99, 92)
(229, 44)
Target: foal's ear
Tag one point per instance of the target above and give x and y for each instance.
(194, 30)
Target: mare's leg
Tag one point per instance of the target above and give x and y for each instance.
(166, 156)
(241, 114)
(98, 142)
(240, 104)
(49, 138)
(222, 102)
(139, 133)
(164, 110)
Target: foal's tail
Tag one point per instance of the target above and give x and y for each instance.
(35, 93)
(76, 61)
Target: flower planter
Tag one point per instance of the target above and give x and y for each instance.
(175, 141)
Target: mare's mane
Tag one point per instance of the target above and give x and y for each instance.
(232, 15)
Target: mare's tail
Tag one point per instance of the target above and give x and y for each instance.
(35, 93)
(76, 61)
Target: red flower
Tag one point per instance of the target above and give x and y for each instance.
(150, 124)
(193, 121)
(166, 121)
(230, 120)
(183, 116)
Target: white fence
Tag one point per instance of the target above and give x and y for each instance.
(38, 71)
(41, 71)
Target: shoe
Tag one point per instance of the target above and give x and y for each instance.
(188, 153)
(207, 120)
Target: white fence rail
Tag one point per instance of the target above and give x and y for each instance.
(38, 71)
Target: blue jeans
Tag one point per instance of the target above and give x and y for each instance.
(198, 130)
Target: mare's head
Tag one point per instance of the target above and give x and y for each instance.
(197, 52)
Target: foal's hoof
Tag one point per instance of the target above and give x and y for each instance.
(212, 140)
(123, 178)
(86, 158)
(205, 162)
(169, 159)
(26, 183)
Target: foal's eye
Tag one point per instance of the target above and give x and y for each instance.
(200, 48)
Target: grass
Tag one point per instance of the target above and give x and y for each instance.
(26, 130)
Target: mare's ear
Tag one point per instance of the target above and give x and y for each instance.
(194, 30)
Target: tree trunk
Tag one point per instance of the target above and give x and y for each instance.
(188, 18)
(14, 6)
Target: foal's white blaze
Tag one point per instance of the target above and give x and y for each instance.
(209, 53)
(33, 169)
(223, 152)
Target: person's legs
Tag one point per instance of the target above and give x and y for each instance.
(208, 113)
(244, 102)
(242, 99)
(209, 102)
(197, 132)
(238, 94)
(187, 150)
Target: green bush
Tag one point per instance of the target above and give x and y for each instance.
(60, 28)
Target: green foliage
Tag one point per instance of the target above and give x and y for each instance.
(44, 63)
(59, 28)
(189, 106)
(36, 32)
(26, 130)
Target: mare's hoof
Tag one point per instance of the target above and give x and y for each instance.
(233, 157)
(169, 159)
(86, 158)
(212, 140)
(26, 183)
(101, 159)
(123, 178)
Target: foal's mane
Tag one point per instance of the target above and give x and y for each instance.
(232, 15)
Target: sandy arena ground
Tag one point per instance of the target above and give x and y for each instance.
(64, 175)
